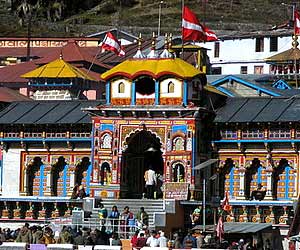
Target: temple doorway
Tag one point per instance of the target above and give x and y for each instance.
(143, 150)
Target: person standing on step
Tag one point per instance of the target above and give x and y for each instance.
(150, 179)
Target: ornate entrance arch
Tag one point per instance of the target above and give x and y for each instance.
(143, 149)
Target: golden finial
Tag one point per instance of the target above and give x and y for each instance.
(166, 41)
(153, 41)
(170, 40)
(295, 41)
(140, 41)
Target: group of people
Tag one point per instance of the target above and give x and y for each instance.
(125, 221)
(44, 235)
(144, 238)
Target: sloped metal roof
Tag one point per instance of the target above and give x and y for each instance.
(259, 109)
(245, 227)
(47, 112)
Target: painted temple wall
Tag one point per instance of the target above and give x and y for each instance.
(11, 172)
(109, 143)
(288, 179)
(16, 162)
(177, 88)
(115, 88)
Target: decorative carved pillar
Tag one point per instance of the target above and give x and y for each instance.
(242, 171)
(16, 211)
(230, 217)
(269, 171)
(55, 211)
(5, 212)
(270, 218)
(48, 185)
(283, 219)
(29, 212)
(68, 211)
(42, 212)
(244, 217)
(257, 217)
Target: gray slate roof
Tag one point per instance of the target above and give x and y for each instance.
(259, 109)
(47, 112)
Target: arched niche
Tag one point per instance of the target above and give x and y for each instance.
(281, 180)
(178, 172)
(226, 168)
(252, 176)
(55, 174)
(32, 170)
(105, 174)
(80, 169)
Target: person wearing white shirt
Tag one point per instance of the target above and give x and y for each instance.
(162, 240)
(150, 179)
(152, 241)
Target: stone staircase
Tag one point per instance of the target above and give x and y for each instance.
(151, 206)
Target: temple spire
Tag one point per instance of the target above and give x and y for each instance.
(153, 53)
(139, 53)
(166, 53)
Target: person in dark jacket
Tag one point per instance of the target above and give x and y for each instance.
(79, 240)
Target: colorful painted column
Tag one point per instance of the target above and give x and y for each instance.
(107, 93)
(157, 91)
(185, 93)
(133, 93)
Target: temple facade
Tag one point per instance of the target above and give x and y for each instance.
(153, 116)
(257, 146)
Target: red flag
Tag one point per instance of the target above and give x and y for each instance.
(112, 44)
(220, 229)
(225, 204)
(297, 22)
(193, 30)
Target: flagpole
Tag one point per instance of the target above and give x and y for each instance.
(295, 45)
(182, 8)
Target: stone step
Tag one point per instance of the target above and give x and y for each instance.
(151, 206)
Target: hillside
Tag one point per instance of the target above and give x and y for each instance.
(142, 16)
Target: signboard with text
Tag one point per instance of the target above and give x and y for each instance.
(176, 190)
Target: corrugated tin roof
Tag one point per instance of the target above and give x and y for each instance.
(259, 109)
(47, 112)
(245, 227)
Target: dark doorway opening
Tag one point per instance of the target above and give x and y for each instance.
(143, 150)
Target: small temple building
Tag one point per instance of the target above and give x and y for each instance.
(154, 115)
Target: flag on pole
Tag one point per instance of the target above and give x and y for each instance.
(220, 229)
(192, 30)
(296, 22)
(112, 44)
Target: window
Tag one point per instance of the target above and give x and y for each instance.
(258, 70)
(259, 44)
(121, 87)
(253, 134)
(171, 87)
(217, 49)
(216, 71)
(280, 133)
(273, 44)
(106, 141)
(178, 144)
(228, 134)
(244, 69)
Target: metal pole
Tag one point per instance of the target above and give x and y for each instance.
(203, 203)
(159, 17)
(182, 56)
